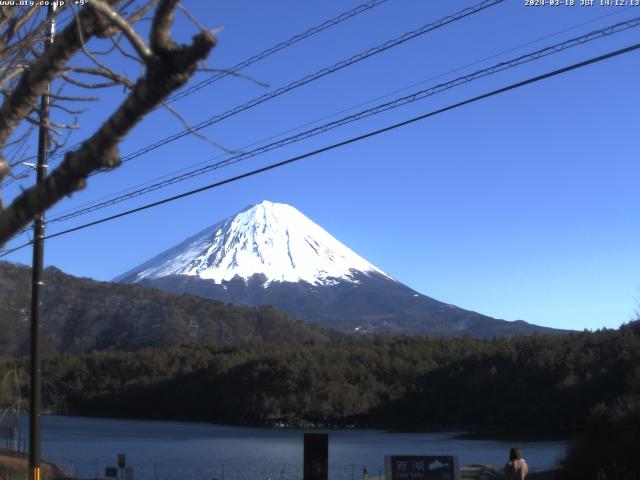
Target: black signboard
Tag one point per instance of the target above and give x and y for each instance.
(418, 467)
(122, 460)
(111, 472)
(316, 456)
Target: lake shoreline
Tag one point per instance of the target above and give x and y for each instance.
(462, 432)
(178, 449)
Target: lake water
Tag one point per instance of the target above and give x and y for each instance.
(159, 450)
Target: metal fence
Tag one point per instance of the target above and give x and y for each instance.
(95, 469)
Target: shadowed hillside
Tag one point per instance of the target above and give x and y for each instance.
(82, 315)
(542, 382)
(373, 304)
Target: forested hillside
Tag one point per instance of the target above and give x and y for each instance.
(538, 382)
(83, 315)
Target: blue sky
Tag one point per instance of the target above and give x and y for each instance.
(522, 206)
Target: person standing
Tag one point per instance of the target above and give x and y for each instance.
(516, 468)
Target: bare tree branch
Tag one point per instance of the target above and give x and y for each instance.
(14, 23)
(83, 46)
(64, 126)
(106, 51)
(80, 83)
(12, 73)
(125, 27)
(193, 19)
(35, 80)
(126, 54)
(32, 35)
(6, 14)
(73, 98)
(67, 109)
(190, 129)
(169, 68)
(141, 12)
(105, 73)
(162, 20)
(233, 74)
(20, 139)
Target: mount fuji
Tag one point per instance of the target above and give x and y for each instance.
(270, 239)
(270, 253)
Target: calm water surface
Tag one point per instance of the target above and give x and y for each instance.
(160, 450)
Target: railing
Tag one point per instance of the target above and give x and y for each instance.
(95, 469)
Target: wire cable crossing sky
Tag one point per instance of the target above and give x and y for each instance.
(396, 103)
(521, 207)
(343, 143)
(317, 75)
(255, 58)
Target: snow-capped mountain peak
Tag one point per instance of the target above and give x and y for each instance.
(272, 239)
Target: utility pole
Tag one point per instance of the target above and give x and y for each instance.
(37, 277)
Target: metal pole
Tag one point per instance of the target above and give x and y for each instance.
(37, 277)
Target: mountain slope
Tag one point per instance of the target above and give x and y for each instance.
(374, 304)
(272, 254)
(82, 315)
(272, 239)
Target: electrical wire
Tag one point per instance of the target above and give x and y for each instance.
(259, 56)
(326, 117)
(343, 143)
(609, 30)
(459, 15)
(396, 103)
(276, 48)
(316, 76)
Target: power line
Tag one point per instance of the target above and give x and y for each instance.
(495, 55)
(396, 103)
(317, 75)
(15, 249)
(261, 56)
(349, 141)
(609, 30)
(311, 77)
(326, 117)
(276, 48)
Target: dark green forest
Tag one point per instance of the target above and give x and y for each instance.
(582, 384)
(83, 315)
(541, 381)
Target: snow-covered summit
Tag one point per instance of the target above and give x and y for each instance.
(273, 239)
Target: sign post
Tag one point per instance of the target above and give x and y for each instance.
(316, 456)
(122, 462)
(416, 467)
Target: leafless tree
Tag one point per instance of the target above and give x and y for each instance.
(79, 61)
